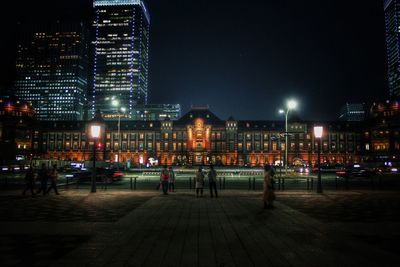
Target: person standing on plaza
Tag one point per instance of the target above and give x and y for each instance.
(43, 176)
(199, 182)
(171, 181)
(53, 180)
(164, 177)
(268, 193)
(212, 181)
(30, 181)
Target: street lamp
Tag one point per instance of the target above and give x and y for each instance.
(291, 104)
(318, 131)
(95, 128)
(115, 103)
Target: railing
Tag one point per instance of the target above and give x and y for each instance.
(236, 182)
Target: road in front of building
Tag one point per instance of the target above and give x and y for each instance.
(185, 180)
(146, 228)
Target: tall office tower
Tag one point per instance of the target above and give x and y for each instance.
(52, 71)
(392, 19)
(121, 55)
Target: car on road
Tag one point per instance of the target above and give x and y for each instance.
(355, 170)
(102, 175)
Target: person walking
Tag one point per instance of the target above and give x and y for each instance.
(212, 181)
(30, 181)
(268, 193)
(43, 176)
(164, 177)
(53, 180)
(199, 182)
(171, 181)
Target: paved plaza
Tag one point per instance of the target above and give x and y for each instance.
(145, 228)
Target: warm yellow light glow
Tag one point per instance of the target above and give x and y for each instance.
(95, 131)
(318, 131)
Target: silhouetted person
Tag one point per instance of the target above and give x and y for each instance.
(30, 181)
(171, 181)
(164, 177)
(212, 181)
(199, 182)
(43, 177)
(53, 180)
(268, 192)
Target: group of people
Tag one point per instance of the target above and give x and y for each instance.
(167, 181)
(212, 182)
(44, 176)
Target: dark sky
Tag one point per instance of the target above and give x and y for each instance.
(245, 58)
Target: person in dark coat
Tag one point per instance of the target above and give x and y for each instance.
(53, 180)
(30, 181)
(43, 176)
(268, 189)
(171, 181)
(212, 181)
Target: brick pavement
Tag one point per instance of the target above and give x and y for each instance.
(117, 228)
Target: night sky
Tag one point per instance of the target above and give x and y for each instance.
(245, 58)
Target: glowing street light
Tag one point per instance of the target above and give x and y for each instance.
(318, 132)
(115, 103)
(291, 104)
(95, 128)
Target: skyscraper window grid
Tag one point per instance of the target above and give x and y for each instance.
(392, 21)
(51, 67)
(121, 55)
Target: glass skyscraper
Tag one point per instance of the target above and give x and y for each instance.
(392, 20)
(121, 55)
(51, 67)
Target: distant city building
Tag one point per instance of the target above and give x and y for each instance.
(392, 19)
(52, 70)
(154, 112)
(17, 120)
(121, 55)
(353, 112)
(382, 136)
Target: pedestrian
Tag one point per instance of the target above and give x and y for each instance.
(171, 181)
(212, 181)
(43, 177)
(53, 180)
(268, 193)
(199, 182)
(164, 177)
(30, 181)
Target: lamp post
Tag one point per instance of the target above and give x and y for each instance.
(291, 104)
(115, 103)
(318, 131)
(96, 126)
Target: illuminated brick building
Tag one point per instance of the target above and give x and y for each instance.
(201, 138)
(382, 137)
(17, 121)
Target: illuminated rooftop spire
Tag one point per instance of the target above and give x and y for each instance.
(116, 2)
